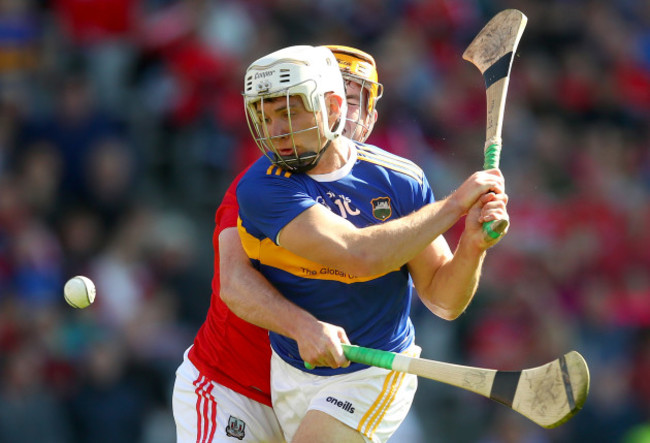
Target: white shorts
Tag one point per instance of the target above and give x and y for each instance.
(206, 412)
(373, 401)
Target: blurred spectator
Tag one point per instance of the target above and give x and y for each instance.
(38, 274)
(74, 128)
(100, 32)
(19, 33)
(20, 52)
(121, 275)
(82, 234)
(110, 175)
(109, 406)
(29, 412)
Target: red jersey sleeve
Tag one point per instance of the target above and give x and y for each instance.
(226, 216)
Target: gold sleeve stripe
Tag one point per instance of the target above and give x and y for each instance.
(373, 150)
(392, 162)
(416, 177)
(270, 254)
(273, 169)
(370, 149)
(390, 159)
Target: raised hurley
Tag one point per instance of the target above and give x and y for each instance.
(492, 52)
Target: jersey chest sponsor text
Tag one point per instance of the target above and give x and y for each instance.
(310, 272)
(339, 204)
(345, 207)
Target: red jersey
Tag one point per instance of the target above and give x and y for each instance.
(230, 351)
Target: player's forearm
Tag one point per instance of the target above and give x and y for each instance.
(321, 236)
(256, 301)
(454, 284)
(251, 297)
(388, 246)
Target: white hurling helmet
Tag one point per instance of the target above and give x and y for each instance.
(305, 71)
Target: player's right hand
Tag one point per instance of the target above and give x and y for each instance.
(477, 185)
(320, 345)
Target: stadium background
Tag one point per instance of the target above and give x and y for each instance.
(121, 124)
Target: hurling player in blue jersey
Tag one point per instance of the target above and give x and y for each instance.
(345, 230)
(222, 388)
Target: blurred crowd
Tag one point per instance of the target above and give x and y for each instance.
(121, 124)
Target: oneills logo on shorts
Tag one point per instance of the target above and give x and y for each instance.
(381, 208)
(346, 406)
(236, 428)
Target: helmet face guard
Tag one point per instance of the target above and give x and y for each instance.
(369, 93)
(298, 71)
(268, 143)
(359, 67)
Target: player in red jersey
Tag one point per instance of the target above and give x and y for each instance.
(222, 389)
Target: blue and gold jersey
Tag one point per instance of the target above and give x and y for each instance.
(373, 187)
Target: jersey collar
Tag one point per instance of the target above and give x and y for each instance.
(342, 171)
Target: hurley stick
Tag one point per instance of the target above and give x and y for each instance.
(492, 52)
(549, 395)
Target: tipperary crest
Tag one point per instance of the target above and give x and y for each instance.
(381, 208)
(236, 428)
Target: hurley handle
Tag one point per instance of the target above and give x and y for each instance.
(370, 357)
(493, 228)
(366, 356)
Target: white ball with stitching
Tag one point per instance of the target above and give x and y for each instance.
(79, 292)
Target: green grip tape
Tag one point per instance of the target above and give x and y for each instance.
(487, 229)
(492, 155)
(366, 356)
(370, 357)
